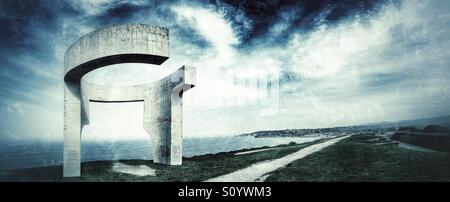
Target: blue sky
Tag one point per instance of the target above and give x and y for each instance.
(337, 62)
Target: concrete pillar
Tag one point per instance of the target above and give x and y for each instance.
(163, 115)
(182, 80)
(72, 129)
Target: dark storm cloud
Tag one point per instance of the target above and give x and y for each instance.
(30, 65)
(29, 29)
(121, 12)
(297, 16)
(32, 30)
(19, 19)
(35, 34)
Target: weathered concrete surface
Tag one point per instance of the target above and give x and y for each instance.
(136, 43)
(72, 129)
(162, 99)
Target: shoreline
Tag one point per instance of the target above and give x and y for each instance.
(55, 171)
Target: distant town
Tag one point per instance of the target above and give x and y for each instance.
(442, 122)
(432, 133)
(322, 131)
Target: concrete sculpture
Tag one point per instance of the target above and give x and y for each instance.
(162, 99)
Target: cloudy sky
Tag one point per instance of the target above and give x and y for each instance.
(326, 63)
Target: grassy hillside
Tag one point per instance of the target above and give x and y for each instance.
(197, 168)
(356, 159)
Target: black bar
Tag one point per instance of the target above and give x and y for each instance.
(157, 191)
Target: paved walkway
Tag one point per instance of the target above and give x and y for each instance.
(258, 171)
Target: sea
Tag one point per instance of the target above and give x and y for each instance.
(26, 154)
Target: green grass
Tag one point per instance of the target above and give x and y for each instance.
(352, 159)
(196, 168)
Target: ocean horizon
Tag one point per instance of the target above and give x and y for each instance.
(27, 154)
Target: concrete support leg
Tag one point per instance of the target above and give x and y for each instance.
(166, 132)
(158, 110)
(163, 115)
(72, 130)
(176, 126)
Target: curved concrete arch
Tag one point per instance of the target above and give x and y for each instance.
(162, 99)
(135, 43)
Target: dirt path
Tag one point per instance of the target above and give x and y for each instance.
(258, 171)
(253, 151)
